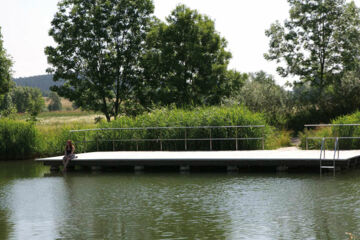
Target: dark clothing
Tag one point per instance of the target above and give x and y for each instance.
(70, 156)
(68, 149)
(68, 152)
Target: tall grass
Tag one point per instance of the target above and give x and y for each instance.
(51, 139)
(17, 139)
(202, 116)
(335, 131)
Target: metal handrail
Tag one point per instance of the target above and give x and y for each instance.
(323, 155)
(332, 125)
(185, 139)
(328, 125)
(334, 137)
(154, 128)
(322, 149)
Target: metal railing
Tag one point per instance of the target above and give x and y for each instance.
(159, 140)
(307, 126)
(336, 139)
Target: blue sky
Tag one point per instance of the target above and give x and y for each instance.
(25, 25)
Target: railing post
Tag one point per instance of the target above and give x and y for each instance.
(161, 148)
(185, 140)
(321, 153)
(97, 141)
(113, 142)
(84, 141)
(263, 138)
(338, 149)
(306, 138)
(236, 138)
(210, 141)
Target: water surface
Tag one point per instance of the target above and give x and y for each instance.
(37, 205)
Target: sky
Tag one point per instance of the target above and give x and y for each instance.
(25, 25)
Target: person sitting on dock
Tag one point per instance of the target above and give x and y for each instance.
(69, 153)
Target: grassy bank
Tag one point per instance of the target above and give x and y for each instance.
(47, 138)
(335, 131)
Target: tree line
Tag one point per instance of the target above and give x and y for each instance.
(115, 57)
(43, 82)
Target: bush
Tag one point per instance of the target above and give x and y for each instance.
(17, 139)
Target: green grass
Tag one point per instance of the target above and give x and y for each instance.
(17, 139)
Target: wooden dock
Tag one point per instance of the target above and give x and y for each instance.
(280, 159)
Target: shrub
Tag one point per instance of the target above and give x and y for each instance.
(17, 139)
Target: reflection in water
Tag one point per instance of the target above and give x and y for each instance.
(5, 227)
(175, 206)
(140, 207)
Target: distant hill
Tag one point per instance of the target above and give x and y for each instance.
(44, 82)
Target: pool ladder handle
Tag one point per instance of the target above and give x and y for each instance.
(322, 156)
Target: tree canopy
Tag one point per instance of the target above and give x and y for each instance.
(186, 61)
(97, 52)
(260, 93)
(318, 43)
(5, 68)
(55, 102)
(27, 99)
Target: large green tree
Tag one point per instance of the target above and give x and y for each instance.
(97, 52)
(318, 43)
(5, 69)
(186, 61)
(27, 99)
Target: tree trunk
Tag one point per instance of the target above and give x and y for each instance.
(105, 111)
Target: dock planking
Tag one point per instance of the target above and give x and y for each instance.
(286, 157)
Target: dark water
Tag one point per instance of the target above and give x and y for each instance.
(36, 205)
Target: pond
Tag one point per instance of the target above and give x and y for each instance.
(35, 204)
